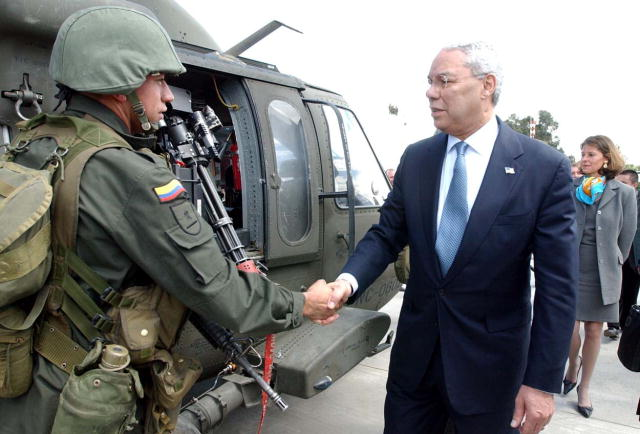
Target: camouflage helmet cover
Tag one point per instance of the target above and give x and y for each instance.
(111, 50)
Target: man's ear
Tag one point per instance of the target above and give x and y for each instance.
(488, 85)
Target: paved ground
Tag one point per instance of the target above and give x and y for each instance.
(354, 404)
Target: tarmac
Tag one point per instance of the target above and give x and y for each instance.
(354, 404)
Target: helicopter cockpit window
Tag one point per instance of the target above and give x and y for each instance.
(369, 185)
(294, 206)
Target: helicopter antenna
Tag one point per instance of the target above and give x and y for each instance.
(258, 36)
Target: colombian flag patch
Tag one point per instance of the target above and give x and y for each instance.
(169, 191)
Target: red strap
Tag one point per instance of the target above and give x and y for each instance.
(250, 267)
(268, 364)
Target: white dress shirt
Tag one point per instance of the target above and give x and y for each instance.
(477, 158)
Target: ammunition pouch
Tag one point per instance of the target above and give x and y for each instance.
(172, 377)
(145, 319)
(16, 346)
(137, 323)
(97, 401)
(16, 362)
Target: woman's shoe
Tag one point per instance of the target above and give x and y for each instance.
(568, 386)
(586, 410)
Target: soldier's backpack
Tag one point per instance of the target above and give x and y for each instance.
(27, 177)
(25, 261)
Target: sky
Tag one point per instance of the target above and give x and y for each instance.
(576, 59)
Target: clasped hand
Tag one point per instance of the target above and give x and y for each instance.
(323, 300)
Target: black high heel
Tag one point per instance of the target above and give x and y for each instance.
(568, 386)
(586, 410)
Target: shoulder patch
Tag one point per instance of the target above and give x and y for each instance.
(186, 217)
(170, 191)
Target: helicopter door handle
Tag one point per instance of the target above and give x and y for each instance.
(344, 237)
(276, 182)
(333, 194)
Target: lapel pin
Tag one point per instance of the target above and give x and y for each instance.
(509, 171)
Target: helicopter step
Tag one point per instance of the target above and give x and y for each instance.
(310, 358)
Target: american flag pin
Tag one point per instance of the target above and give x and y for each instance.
(509, 171)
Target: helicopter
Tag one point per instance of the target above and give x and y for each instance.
(296, 174)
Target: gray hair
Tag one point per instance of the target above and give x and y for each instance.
(482, 59)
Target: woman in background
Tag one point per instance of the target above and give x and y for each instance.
(606, 216)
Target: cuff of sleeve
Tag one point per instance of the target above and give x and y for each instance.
(348, 277)
(298, 306)
(543, 391)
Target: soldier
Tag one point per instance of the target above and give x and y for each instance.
(134, 227)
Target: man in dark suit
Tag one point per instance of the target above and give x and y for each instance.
(630, 268)
(474, 203)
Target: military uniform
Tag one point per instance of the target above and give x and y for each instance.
(136, 227)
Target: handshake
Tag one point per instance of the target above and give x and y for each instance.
(322, 300)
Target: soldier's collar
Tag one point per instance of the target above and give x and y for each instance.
(80, 104)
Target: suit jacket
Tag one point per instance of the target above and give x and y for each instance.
(616, 224)
(634, 253)
(480, 312)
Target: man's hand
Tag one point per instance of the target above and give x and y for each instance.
(341, 292)
(316, 303)
(533, 411)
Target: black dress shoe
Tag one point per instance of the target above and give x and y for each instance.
(568, 386)
(585, 411)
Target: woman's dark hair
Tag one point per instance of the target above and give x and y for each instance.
(615, 162)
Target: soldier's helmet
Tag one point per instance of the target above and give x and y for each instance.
(111, 50)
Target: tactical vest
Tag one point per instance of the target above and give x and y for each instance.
(146, 320)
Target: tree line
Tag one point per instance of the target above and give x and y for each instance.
(546, 127)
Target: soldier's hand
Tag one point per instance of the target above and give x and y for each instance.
(341, 291)
(316, 303)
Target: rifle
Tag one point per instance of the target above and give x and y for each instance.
(196, 149)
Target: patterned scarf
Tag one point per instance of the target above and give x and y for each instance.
(591, 189)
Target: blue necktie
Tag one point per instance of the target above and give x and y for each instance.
(455, 213)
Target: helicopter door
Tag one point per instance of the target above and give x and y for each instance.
(346, 196)
(292, 225)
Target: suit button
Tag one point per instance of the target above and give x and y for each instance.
(601, 261)
(599, 212)
(441, 292)
(599, 228)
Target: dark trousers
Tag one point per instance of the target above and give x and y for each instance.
(427, 410)
(628, 294)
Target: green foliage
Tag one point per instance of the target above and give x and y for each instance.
(545, 128)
